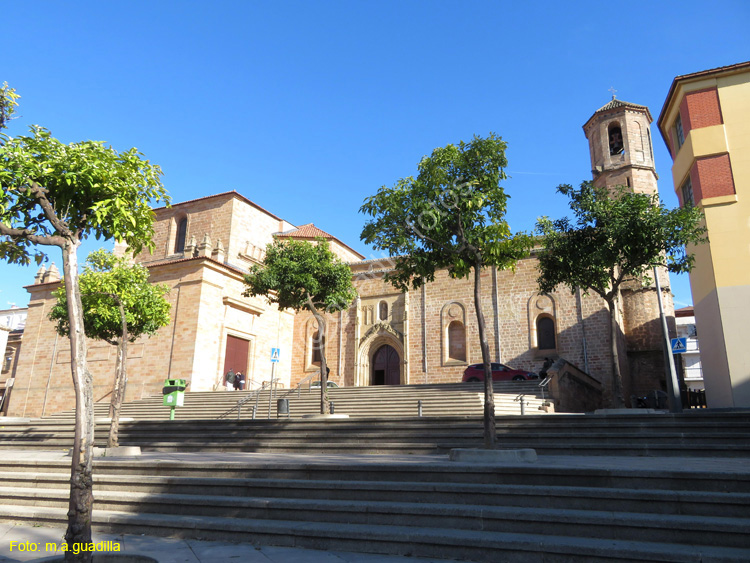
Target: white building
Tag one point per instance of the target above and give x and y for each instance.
(691, 358)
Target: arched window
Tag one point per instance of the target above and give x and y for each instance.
(383, 311)
(457, 341)
(615, 139)
(179, 241)
(316, 345)
(545, 333)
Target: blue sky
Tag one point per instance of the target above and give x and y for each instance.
(307, 108)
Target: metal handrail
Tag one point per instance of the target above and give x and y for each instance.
(253, 395)
(545, 383)
(298, 388)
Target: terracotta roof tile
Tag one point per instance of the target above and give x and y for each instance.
(307, 231)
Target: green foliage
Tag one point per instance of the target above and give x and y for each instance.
(616, 235)
(8, 104)
(104, 276)
(295, 274)
(451, 216)
(53, 192)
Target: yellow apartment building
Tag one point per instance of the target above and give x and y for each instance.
(705, 122)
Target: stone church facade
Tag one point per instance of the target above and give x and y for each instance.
(203, 247)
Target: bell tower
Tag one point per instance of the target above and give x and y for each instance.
(619, 138)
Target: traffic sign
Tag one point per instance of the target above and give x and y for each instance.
(679, 345)
(275, 355)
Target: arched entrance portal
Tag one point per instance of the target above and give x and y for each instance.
(386, 367)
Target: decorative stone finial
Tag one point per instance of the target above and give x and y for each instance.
(52, 274)
(204, 249)
(39, 277)
(218, 252)
(190, 248)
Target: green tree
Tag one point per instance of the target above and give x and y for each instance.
(451, 216)
(8, 103)
(301, 275)
(617, 235)
(119, 306)
(57, 194)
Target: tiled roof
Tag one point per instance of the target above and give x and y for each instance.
(307, 231)
(615, 103)
(310, 231)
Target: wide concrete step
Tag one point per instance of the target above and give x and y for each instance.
(482, 546)
(683, 529)
(640, 436)
(378, 470)
(653, 501)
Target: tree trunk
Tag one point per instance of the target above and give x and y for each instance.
(81, 484)
(325, 407)
(121, 380)
(489, 398)
(617, 399)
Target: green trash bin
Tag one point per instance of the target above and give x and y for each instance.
(174, 392)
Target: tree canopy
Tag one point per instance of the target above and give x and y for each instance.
(617, 235)
(301, 275)
(451, 216)
(104, 276)
(54, 192)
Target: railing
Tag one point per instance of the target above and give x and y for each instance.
(543, 384)
(298, 388)
(270, 385)
(520, 399)
(692, 399)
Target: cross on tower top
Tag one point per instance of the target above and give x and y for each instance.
(612, 89)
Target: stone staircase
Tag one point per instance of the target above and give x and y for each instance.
(677, 490)
(449, 399)
(695, 434)
(420, 506)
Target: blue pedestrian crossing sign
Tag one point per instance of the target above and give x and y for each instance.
(275, 354)
(679, 345)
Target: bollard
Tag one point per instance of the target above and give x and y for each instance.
(332, 409)
(419, 408)
(523, 407)
(255, 408)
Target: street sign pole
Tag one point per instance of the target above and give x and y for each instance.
(275, 355)
(673, 387)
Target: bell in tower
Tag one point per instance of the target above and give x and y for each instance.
(619, 138)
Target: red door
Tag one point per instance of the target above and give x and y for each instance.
(386, 367)
(236, 355)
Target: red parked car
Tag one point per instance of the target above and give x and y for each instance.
(500, 372)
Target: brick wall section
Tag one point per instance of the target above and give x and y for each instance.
(515, 292)
(700, 109)
(712, 177)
